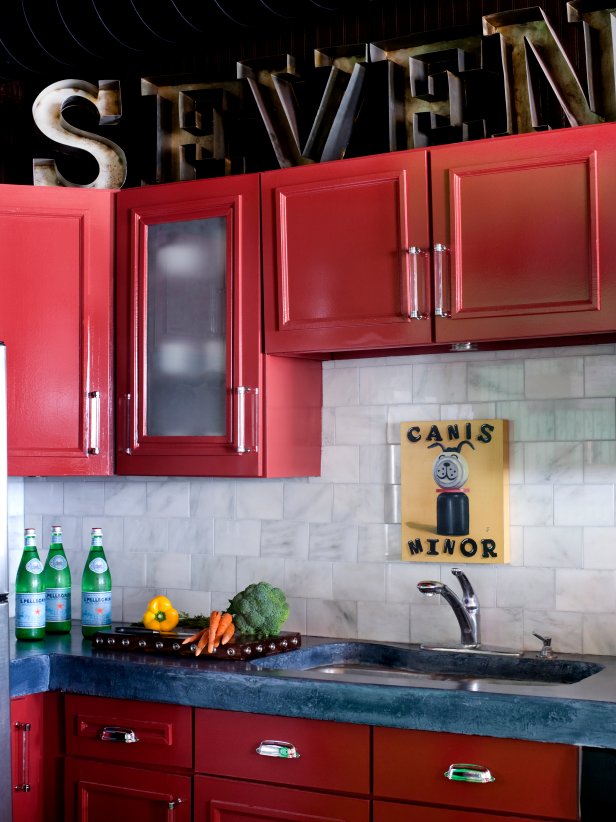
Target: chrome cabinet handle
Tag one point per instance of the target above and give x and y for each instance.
(417, 283)
(114, 733)
(23, 780)
(442, 281)
(172, 805)
(464, 772)
(241, 446)
(274, 747)
(124, 411)
(94, 403)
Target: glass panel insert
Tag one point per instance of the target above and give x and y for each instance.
(186, 330)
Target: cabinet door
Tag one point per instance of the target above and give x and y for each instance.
(55, 311)
(226, 800)
(188, 320)
(525, 231)
(100, 792)
(338, 271)
(27, 758)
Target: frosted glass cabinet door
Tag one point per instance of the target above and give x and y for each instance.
(186, 363)
(188, 345)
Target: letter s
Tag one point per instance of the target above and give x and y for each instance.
(47, 113)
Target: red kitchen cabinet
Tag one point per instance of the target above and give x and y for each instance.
(36, 758)
(55, 318)
(530, 779)
(195, 394)
(338, 274)
(99, 792)
(224, 800)
(396, 812)
(509, 238)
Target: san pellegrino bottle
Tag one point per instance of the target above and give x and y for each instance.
(96, 589)
(58, 586)
(30, 592)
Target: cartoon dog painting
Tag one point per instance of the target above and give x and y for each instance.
(450, 472)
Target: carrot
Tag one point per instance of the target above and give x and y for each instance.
(201, 644)
(214, 621)
(225, 620)
(195, 637)
(227, 634)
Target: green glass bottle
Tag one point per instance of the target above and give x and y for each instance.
(96, 589)
(57, 586)
(30, 592)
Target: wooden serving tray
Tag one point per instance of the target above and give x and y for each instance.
(153, 642)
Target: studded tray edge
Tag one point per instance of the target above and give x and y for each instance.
(239, 648)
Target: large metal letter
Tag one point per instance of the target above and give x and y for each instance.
(47, 112)
(599, 27)
(529, 44)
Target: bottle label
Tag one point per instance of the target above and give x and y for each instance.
(95, 608)
(34, 566)
(30, 541)
(98, 565)
(58, 563)
(57, 604)
(30, 610)
(97, 541)
(56, 539)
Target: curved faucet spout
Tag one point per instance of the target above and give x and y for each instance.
(466, 610)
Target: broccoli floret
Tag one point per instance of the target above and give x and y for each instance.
(259, 610)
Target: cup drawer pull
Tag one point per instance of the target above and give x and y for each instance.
(273, 747)
(463, 772)
(113, 733)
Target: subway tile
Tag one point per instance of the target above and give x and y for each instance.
(132, 601)
(553, 547)
(361, 425)
(516, 545)
(308, 502)
(333, 542)
(114, 534)
(503, 627)
(143, 534)
(585, 590)
(237, 537)
(386, 385)
(525, 588)
(127, 569)
(213, 573)
(168, 570)
(378, 542)
(15, 490)
(468, 411)
(191, 602)
(564, 628)
(124, 498)
(600, 548)
(255, 569)
(214, 499)
(516, 463)
(529, 420)
(584, 505)
(83, 498)
(553, 462)
(402, 579)
(531, 504)
(286, 539)
(600, 461)
(358, 503)
(600, 375)
(433, 625)
(339, 463)
(340, 387)
(379, 463)
(308, 579)
(297, 615)
(335, 619)
(599, 633)
(386, 621)
(443, 383)
(219, 600)
(191, 536)
(258, 499)
(495, 381)
(397, 414)
(363, 580)
(554, 378)
(43, 496)
(593, 419)
(328, 426)
(170, 498)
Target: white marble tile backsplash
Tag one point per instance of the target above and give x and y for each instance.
(333, 542)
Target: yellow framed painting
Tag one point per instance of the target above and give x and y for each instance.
(455, 491)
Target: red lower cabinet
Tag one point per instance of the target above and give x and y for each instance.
(395, 812)
(228, 800)
(100, 792)
(27, 749)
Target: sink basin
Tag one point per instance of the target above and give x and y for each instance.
(391, 665)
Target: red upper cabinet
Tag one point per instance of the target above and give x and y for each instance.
(522, 235)
(340, 269)
(490, 240)
(195, 395)
(55, 318)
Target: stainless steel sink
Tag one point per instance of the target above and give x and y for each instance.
(392, 665)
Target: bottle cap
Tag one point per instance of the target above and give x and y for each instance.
(97, 532)
(56, 529)
(30, 532)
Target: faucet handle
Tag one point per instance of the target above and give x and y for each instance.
(546, 651)
(468, 592)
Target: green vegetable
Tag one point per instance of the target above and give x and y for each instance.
(259, 610)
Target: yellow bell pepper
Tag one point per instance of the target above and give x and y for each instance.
(160, 615)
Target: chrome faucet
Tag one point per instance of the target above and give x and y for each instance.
(465, 609)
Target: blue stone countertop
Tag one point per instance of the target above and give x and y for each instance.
(580, 713)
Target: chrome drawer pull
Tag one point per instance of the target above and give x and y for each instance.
(273, 747)
(23, 780)
(94, 401)
(442, 281)
(173, 805)
(113, 733)
(417, 283)
(463, 772)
